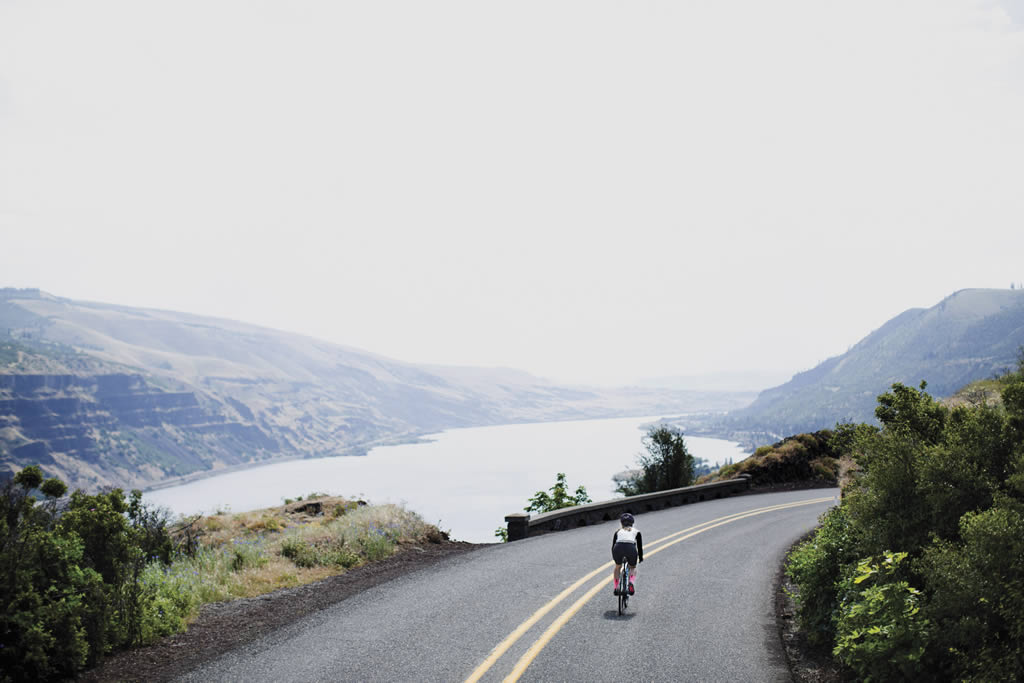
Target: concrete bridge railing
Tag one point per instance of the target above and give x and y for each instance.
(521, 524)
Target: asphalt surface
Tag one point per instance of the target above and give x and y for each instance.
(703, 610)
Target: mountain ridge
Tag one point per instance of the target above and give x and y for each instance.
(257, 394)
(971, 334)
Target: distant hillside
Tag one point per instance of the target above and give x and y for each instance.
(102, 394)
(973, 334)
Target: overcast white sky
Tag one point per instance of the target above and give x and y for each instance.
(588, 190)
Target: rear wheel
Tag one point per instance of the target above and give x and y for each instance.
(623, 590)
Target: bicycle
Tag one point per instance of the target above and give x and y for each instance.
(623, 587)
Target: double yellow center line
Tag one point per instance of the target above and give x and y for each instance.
(562, 619)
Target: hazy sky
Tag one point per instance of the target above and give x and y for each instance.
(588, 190)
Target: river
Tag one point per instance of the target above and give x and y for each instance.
(464, 480)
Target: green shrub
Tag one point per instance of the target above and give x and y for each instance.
(120, 537)
(321, 554)
(559, 497)
(880, 631)
(978, 595)
(826, 469)
(944, 488)
(50, 606)
(245, 555)
(376, 544)
(171, 597)
(815, 567)
(299, 552)
(54, 614)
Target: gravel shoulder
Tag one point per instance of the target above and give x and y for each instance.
(221, 627)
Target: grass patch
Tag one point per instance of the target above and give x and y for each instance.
(253, 553)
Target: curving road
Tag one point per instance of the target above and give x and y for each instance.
(542, 609)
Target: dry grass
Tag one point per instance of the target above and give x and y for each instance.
(254, 553)
(982, 392)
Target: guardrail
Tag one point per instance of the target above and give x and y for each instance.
(521, 524)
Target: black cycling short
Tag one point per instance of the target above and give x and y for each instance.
(624, 551)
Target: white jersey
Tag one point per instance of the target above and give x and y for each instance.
(627, 535)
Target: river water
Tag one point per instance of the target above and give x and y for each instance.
(465, 480)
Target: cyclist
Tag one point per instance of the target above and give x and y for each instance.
(627, 546)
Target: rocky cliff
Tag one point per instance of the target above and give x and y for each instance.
(117, 429)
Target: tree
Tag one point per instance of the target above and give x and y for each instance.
(559, 497)
(47, 601)
(666, 465)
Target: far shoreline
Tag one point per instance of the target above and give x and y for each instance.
(364, 449)
(354, 451)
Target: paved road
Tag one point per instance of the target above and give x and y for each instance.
(703, 609)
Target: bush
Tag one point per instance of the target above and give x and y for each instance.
(978, 595)
(880, 631)
(937, 507)
(50, 604)
(816, 567)
(171, 596)
(326, 553)
(558, 498)
(53, 608)
(72, 590)
(245, 555)
(375, 544)
(801, 458)
(120, 537)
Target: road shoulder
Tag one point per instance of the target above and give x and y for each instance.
(222, 627)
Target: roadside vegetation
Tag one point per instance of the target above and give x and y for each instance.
(807, 458)
(558, 498)
(89, 574)
(919, 572)
(667, 464)
(555, 498)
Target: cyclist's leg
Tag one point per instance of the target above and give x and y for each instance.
(618, 557)
(632, 560)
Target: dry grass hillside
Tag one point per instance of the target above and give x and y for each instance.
(227, 555)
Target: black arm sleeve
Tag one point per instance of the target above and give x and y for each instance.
(640, 546)
(614, 536)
